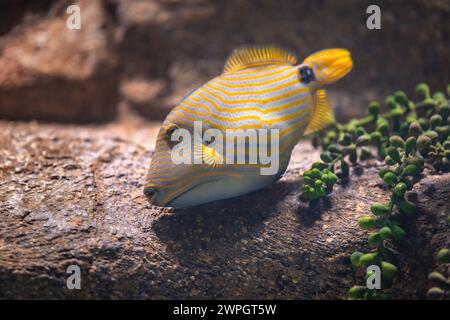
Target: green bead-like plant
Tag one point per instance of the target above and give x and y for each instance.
(441, 282)
(406, 138)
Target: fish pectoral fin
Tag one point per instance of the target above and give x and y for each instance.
(208, 155)
(322, 113)
(254, 56)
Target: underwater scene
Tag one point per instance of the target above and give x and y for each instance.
(207, 150)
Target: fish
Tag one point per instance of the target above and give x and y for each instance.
(263, 90)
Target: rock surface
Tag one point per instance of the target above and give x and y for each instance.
(49, 72)
(73, 195)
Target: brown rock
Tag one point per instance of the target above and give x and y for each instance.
(49, 72)
(73, 195)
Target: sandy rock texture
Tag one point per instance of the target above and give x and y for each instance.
(148, 54)
(48, 72)
(73, 195)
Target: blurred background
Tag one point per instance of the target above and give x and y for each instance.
(137, 59)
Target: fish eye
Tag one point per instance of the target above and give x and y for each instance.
(170, 130)
(306, 75)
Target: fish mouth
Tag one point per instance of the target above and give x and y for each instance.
(330, 65)
(150, 193)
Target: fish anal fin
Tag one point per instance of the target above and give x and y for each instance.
(254, 56)
(322, 114)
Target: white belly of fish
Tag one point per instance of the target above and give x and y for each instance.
(223, 188)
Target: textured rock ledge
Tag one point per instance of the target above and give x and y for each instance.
(72, 195)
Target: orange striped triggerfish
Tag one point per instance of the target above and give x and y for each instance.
(261, 88)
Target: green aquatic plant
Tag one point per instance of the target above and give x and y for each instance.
(407, 138)
(441, 288)
(441, 280)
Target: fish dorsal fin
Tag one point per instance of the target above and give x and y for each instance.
(255, 56)
(322, 114)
